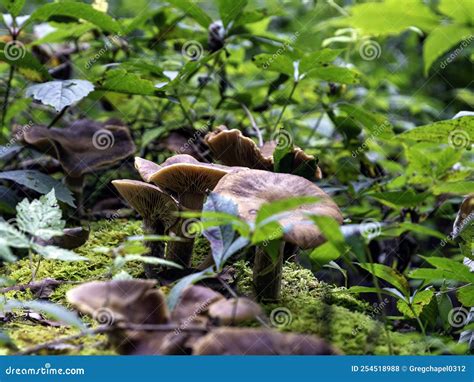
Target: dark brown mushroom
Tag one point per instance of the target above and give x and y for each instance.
(234, 311)
(246, 341)
(250, 190)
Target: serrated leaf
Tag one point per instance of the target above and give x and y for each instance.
(5, 251)
(396, 199)
(439, 132)
(50, 252)
(40, 218)
(388, 274)
(78, 11)
(418, 302)
(466, 295)
(16, 54)
(118, 80)
(39, 182)
(12, 236)
(441, 40)
(60, 94)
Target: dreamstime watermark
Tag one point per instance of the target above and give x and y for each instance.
(14, 50)
(465, 42)
(17, 136)
(283, 139)
(103, 139)
(286, 45)
(375, 311)
(281, 317)
(45, 370)
(109, 41)
(459, 139)
(468, 219)
(104, 316)
(370, 50)
(192, 50)
(375, 133)
(192, 228)
(370, 229)
(458, 317)
(197, 136)
(190, 319)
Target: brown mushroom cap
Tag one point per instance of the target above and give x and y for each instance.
(246, 341)
(84, 146)
(234, 310)
(133, 301)
(194, 302)
(234, 149)
(146, 168)
(252, 188)
(157, 207)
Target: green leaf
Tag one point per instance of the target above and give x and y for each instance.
(40, 182)
(319, 58)
(391, 17)
(275, 209)
(230, 10)
(192, 10)
(55, 311)
(5, 251)
(396, 199)
(151, 260)
(15, 54)
(324, 254)
(460, 10)
(388, 274)
(14, 7)
(459, 132)
(77, 11)
(418, 301)
(441, 40)
(175, 293)
(373, 124)
(120, 81)
(466, 295)
(60, 94)
(274, 62)
(50, 252)
(13, 237)
(334, 74)
(459, 188)
(40, 218)
(458, 269)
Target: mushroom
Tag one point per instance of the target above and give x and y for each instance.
(234, 311)
(122, 301)
(250, 190)
(234, 149)
(194, 302)
(157, 208)
(84, 146)
(249, 341)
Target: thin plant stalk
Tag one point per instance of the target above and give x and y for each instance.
(295, 84)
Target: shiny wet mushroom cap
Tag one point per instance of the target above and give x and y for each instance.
(234, 311)
(253, 188)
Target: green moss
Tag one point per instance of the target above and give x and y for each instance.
(200, 251)
(313, 307)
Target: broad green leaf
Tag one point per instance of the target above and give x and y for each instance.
(275, 209)
(230, 10)
(441, 40)
(50, 252)
(193, 10)
(461, 11)
(318, 58)
(396, 199)
(55, 311)
(388, 274)
(39, 182)
(334, 74)
(324, 254)
(13, 237)
(64, 32)
(460, 271)
(16, 54)
(5, 251)
(418, 302)
(41, 217)
(459, 188)
(14, 7)
(175, 293)
(330, 229)
(391, 17)
(274, 62)
(78, 11)
(118, 80)
(60, 94)
(466, 295)
(151, 260)
(374, 125)
(389, 291)
(458, 132)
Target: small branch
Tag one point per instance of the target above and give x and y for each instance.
(254, 124)
(7, 93)
(58, 117)
(295, 84)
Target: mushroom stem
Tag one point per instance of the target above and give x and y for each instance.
(157, 249)
(267, 274)
(76, 185)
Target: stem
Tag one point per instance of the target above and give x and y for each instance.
(267, 274)
(295, 84)
(7, 94)
(185, 113)
(254, 124)
(58, 117)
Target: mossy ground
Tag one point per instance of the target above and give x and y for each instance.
(313, 307)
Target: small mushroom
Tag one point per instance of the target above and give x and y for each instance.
(84, 146)
(234, 149)
(250, 190)
(71, 238)
(246, 341)
(194, 302)
(234, 311)
(157, 208)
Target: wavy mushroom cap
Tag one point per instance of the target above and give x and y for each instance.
(84, 146)
(253, 188)
(157, 207)
(234, 149)
(134, 301)
(251, 341)
(194, 301)
(145, 168)
(234, 311)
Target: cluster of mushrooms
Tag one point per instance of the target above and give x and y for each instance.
(245, 176)
(204, 322)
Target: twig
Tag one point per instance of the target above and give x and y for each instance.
(58, 117)
(254, 124)
(7, 93)
(295, 84)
